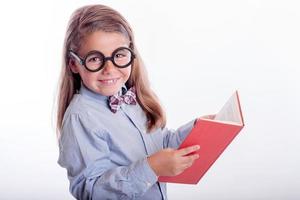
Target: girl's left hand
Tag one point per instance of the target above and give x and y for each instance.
(208, 116)
(205, 117)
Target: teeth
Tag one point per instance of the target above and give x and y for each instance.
(109, 81)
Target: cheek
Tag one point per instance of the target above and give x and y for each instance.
(87, 76)
(126, 72)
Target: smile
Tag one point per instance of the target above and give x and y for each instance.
(109, 81)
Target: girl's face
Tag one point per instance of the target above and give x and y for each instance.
(109, 80)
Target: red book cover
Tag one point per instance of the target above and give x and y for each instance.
(213, 136)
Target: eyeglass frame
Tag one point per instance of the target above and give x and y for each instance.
(82, 61)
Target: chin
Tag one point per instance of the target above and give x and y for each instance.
(109, 91)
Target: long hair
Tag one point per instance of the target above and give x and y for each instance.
(89, 19)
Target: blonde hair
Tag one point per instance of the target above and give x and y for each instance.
(84, 21)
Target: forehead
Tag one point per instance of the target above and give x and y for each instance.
(106, 42)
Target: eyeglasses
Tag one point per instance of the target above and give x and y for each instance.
(95, 60)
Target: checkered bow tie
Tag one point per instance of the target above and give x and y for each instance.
(115, 101)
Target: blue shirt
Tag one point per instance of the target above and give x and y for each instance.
(105, 153)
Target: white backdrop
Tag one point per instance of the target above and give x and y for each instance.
(197, 53)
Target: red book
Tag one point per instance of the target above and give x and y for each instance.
(213, 136)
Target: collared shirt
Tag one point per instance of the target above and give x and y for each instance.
(105, 153)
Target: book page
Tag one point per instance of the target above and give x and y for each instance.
(230, 111)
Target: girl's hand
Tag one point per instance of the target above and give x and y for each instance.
(171, 162)
(208, 116)
(205, 117)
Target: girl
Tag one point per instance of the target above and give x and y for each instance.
(112, 136)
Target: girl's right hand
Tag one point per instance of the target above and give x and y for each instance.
(171, 162)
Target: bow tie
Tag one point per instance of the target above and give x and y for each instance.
(115, 101)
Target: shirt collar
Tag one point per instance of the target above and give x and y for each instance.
(123, 90)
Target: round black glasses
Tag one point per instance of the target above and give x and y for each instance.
(95, 60)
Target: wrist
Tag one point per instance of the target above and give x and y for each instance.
(153, 165)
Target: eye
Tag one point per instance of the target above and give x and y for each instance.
(120, 55)
(123, 53)
(94, 59)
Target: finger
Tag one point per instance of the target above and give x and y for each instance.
(208, 116)
(190, 158)
(188, 165)
(190, 161)
(188, 150)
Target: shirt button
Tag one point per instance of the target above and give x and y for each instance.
(148, 184)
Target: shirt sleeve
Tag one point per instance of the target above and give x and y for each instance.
(86, 156)
(173, 138)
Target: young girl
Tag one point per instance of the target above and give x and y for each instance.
(112, 136)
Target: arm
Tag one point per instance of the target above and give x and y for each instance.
(86, 156)
(174, 138)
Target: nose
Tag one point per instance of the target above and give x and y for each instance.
(108, 67)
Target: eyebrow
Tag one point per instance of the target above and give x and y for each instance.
(127, 46)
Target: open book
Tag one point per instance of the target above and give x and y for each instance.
(213, 136)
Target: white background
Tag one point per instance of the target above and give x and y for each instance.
(197, 53)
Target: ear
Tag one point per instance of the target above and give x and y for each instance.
(73, 66)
